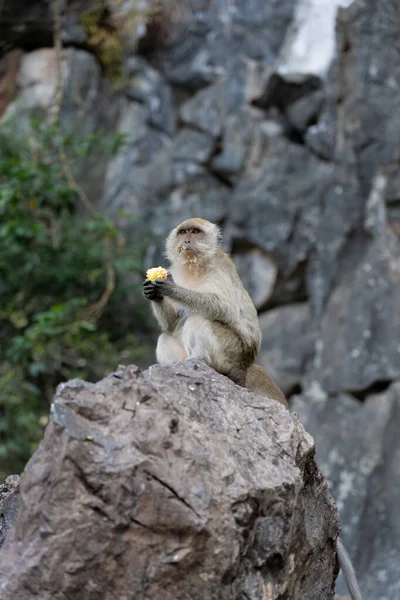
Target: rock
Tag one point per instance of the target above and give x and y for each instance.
(206, 110)
(9, 502)
(170, 483)
(203, 195)
(130, 20)
(140, 145)
(277, 208)
(358, 453)
(321, 138)
(337, 243)
(304, 111)
(173, 184)
(243, 84)
(366, 67)
(287, 345)
(258, 273)
(37, 80)
(192, 145)
(148, 86)
(244, 137)
(375, 220)
(217, 37)
(361, 325)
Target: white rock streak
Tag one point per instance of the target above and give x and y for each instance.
(310, 42)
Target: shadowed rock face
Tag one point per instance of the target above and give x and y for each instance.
(172, 483)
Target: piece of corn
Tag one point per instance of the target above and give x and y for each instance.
(156, 273)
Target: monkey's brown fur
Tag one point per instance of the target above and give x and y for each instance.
(205, 312)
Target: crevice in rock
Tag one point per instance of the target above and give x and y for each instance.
(33, 39)
(377, 387)
(173, 492)
(240, 245)
(180, 95)
(294, 135)
(274, 564)
(281, 93)
(289, 290)
(320, 155)
(141, 524)
(295, 390)
(220, 177)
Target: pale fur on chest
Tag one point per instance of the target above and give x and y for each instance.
(192, 279)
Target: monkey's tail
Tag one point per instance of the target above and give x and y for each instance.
(348, 571)
(259, 382)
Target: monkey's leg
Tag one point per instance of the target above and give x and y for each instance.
(169, 349)
(217, 345)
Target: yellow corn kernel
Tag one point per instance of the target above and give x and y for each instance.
(156, 273)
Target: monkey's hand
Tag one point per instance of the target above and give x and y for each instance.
(157, 289)
(164, 287)
(150, 292)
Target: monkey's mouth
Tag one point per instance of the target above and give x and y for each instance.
(186, 250)
(189, 254)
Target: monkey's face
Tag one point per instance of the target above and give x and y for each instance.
(192, 242)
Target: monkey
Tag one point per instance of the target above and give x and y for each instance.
(204, 310)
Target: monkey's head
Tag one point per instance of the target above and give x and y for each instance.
(193, 242)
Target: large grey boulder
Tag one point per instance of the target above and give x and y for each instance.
(169, 484)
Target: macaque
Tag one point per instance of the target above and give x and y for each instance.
(204, 311)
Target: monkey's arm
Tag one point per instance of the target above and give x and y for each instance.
(207, 304)
(165, 314)
(162, 308)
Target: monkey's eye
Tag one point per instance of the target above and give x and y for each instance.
(195, 230)
(182, 231)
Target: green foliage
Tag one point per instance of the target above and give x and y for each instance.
(53, 271)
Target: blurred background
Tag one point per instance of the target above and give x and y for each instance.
(277, 119)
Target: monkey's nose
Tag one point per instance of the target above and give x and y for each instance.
(187, 241)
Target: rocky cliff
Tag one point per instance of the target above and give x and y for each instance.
(279, 119)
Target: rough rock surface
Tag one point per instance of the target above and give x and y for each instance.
(9, 502)
(358, 452)
(169, 484)
(258, 273)
(287, 344)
